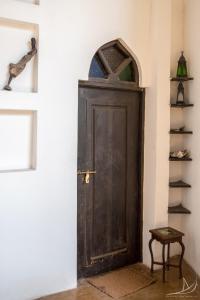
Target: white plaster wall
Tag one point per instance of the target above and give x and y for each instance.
(192, 44)
(176, 115)
(38, 209)
(156, 171)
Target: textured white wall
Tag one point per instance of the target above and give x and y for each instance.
(38, 209)
(191, 223)
(176, 115)
(156, 174)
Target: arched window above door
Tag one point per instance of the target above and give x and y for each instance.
(113, 62)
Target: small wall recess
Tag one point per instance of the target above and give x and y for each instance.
(30, 1)
(15, 42)
(18, 140)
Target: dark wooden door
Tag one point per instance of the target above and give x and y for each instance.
(109, 206)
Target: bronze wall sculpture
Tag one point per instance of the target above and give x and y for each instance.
(16, 69)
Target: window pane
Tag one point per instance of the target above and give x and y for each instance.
(127, 74)
(96, 69)
(114, 57)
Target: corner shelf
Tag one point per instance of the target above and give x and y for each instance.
(178, 209)
(174, 131)
(179, 184)
(185, 105)
(179, 159)
(174, 104)
(181, 79)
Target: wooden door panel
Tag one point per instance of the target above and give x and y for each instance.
(109, 155)
(108, 216)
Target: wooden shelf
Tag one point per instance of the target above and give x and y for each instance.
(179, 184)
(182, 78)
(178, 209)
(185, 105)
(173, 131)
(180, 159)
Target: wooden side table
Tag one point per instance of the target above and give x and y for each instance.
(165, 236)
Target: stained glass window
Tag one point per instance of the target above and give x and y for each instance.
(113, 62)
(127, 74)
(96, 69)
(114, 57)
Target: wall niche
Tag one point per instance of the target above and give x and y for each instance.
(18, 140)
(30, 1)
(15, 39)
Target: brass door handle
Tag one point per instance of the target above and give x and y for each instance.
(86, 175)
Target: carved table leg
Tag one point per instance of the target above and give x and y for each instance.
(168, 255)
(164, 264)
(181, 259)
(151, 252)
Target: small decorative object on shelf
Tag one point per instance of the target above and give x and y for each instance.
(180, 99)
(181, 76)
(182, 67)
(16, 69)
(180, 130)
(180, 154)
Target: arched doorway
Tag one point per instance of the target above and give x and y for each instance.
(110, 162)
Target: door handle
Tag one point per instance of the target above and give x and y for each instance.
(86, 175)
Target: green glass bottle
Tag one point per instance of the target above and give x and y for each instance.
(182, 67)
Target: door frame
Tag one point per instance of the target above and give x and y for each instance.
(103, 84)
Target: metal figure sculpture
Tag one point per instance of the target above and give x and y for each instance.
(16, 69)
(180, 99)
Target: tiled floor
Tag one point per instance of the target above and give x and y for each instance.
(156, 291)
